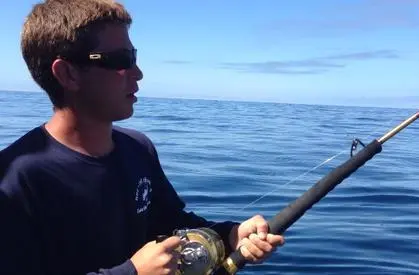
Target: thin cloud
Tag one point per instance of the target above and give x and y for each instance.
(307, 66)
(384, 54)
(282, 67)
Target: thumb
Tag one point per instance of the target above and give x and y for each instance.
(171, 243)
(262, 229)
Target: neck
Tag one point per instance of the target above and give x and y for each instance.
(82, 134)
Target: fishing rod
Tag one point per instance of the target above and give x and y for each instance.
(203, 251)
(289, 215)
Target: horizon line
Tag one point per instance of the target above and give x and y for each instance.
(273, 101)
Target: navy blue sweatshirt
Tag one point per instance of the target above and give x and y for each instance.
(62, 212)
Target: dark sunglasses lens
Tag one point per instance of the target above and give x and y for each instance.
(120, 60)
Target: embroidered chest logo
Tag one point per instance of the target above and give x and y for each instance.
(142, 194)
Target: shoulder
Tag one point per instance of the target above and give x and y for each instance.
(28, 142)
(19, 160)
(137, 137)
(20, 151)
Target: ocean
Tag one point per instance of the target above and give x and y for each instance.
(223, 156)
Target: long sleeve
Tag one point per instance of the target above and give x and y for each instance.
(20, 248)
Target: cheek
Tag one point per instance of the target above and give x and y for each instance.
(114, 81)
(106, 83)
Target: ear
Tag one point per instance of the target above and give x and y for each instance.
(66, 74)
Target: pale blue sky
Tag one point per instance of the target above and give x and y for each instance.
(323, 51)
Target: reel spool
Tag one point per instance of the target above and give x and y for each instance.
(202, 253)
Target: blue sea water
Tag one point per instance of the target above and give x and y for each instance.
(222, 155)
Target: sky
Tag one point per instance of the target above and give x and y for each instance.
(349, 52)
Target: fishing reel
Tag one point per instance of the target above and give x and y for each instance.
(202, 251)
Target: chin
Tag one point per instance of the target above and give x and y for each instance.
(123, 115)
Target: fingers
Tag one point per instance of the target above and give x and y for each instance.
(169, 259)
(247, 254)
(255, 249)
(257, 224)
(260, 226)
(250, 252)
(255, 241)
(275, 240)
(171, 243)
(262, 245)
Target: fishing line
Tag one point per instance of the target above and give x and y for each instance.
(310, 170)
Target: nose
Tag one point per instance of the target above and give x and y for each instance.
(137, 73)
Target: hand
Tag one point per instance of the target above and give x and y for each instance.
(253, 239)
(157, 258)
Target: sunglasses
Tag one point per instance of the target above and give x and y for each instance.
(114, 60)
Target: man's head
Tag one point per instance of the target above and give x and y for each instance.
(80, 53)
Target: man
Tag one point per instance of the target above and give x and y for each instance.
(78, 196)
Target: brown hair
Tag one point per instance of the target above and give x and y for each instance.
(64, 28)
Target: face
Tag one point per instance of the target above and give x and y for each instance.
(106, 90)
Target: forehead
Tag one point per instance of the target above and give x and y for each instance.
(113, 37)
